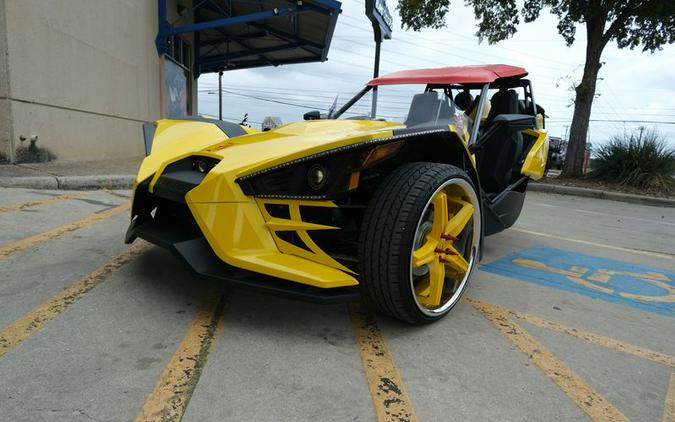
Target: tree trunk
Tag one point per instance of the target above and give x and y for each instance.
(585, 92)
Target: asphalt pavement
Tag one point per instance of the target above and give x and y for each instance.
(570, 317)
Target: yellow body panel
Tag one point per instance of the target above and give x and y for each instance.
(315, 253)
(535, 162)
(249, 153)
(239, 235)
(238, 227)
(238, 230)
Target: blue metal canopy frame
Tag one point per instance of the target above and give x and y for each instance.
(236, 37)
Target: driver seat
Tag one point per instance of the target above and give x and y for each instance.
(498, 160)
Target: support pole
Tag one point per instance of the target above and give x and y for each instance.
(220, 95)
(376, 73)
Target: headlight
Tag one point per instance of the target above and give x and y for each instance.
(203, 164)
(317, 177)
(321, 176)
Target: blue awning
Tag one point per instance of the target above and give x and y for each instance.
(235, 34)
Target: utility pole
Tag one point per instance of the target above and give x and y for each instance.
(220, 95)
(378, 13)
(376, 73)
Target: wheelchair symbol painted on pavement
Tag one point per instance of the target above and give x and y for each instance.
(581, 275)
(634, 285)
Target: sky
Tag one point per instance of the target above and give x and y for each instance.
(632, 85)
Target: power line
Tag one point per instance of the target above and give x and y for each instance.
(617, 121)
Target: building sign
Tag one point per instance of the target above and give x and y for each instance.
(177, 90)
(378, 13)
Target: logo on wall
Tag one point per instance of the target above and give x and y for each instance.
(176, 100)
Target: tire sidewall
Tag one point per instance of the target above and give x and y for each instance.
(409, 227)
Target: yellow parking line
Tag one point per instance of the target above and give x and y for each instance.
(601, 245)
(19, 245)
(669, 405)
(117, 194)
(610, 343)
(170, 397)
(581, 393)
(19, 330)
(46, 201)
(387, 390)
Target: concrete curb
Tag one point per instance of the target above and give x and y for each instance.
(601, 194)
(69, 182)
(127, 181)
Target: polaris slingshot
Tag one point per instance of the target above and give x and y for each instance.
(350, 204)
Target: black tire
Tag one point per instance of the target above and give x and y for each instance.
(388, 234)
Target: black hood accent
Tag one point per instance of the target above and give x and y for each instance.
(228, 128)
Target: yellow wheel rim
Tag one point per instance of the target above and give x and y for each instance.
(446, 243)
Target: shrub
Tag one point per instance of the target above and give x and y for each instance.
(641, 159)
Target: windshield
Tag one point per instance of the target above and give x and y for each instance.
(411, 105)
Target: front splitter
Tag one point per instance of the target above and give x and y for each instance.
(199, 256)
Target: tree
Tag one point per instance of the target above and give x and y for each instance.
(649, 24)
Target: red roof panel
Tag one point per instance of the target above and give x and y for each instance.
(451, 75)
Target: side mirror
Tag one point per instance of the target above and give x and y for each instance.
(312, 115)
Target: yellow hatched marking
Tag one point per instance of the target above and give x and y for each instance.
(172, 393)
(669, 405)
(610, 343)
(387, 390)
(581, 393)
(28, 242)
(46, 201)
(29, 323)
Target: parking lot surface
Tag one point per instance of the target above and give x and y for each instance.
(570, 317)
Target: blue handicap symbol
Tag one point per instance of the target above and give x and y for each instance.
(645, 288)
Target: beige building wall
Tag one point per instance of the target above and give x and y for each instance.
(5, 126)
(84, 75)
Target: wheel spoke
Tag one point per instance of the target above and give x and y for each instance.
(458, 266)
(457, 223)
(425, 254)
(422, 289)
(440, 203)
(436, 281)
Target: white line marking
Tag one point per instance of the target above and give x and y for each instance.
(600, 213)
(585, 242)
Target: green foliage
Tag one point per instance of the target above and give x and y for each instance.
(641, 159)
(631, 23)
(418, 14)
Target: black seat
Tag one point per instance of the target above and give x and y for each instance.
(424, 110)
(503, 102)
(470, 111)
(463, 100)
(499, 157)
(497, 160)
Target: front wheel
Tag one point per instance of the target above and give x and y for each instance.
(419, 241)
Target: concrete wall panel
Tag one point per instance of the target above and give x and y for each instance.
(74, 61)
(73, 135)
(5, 122)
(94, 55)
